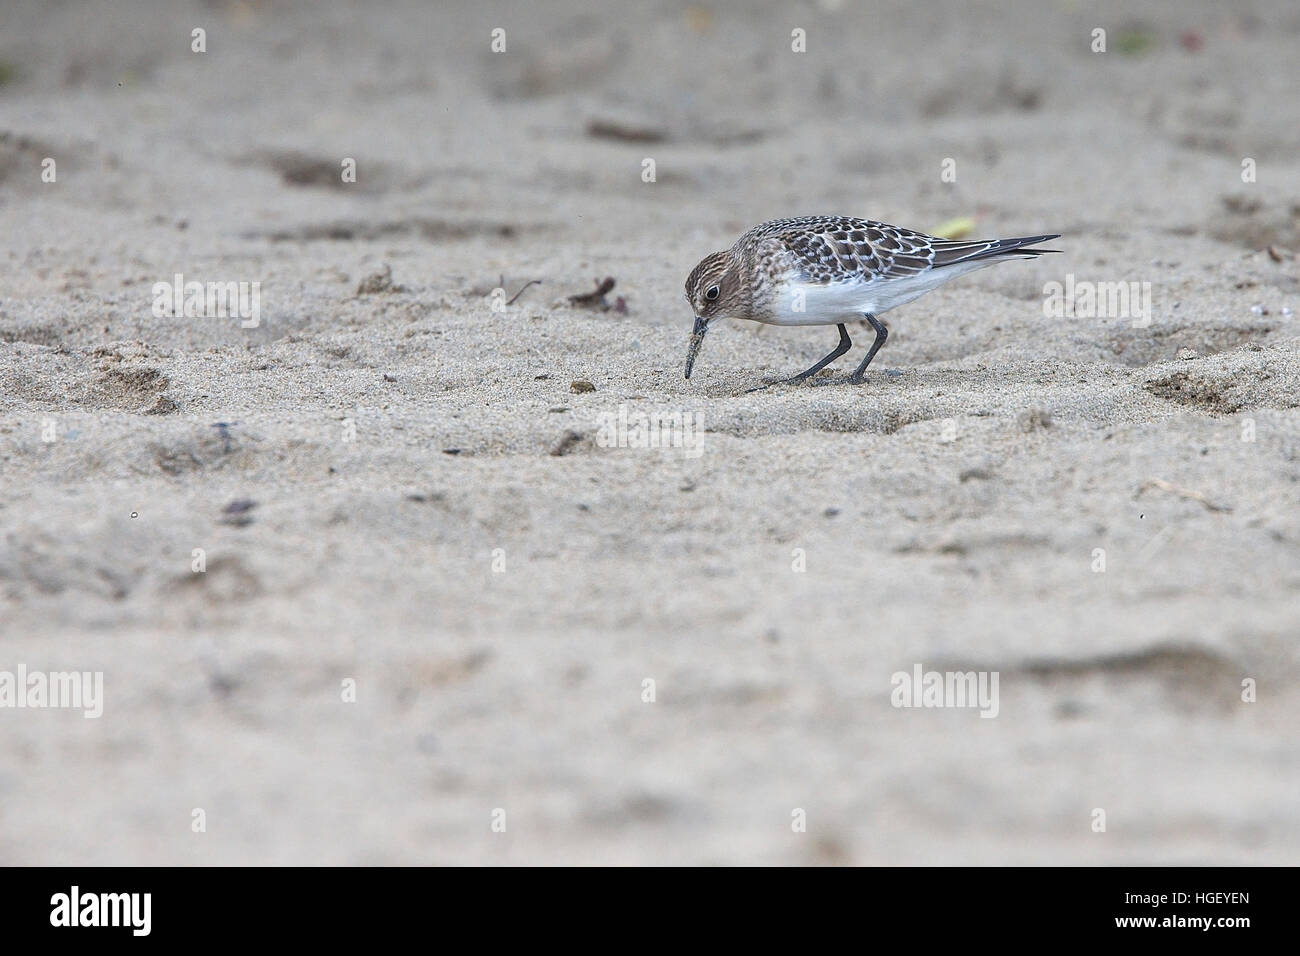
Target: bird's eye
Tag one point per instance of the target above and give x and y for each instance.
(712, 293)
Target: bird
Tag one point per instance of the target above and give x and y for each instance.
(829, 270)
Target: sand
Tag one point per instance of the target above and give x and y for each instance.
(433, 590)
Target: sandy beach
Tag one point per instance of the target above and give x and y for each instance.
(386, 574)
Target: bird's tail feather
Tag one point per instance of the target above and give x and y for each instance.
(951, 252)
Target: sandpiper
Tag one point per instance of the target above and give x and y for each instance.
(828, 270)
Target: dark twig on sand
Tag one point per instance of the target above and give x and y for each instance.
(521, 291)
(594, 299)
(625, 132)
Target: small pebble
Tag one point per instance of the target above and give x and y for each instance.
(1034, 418)
(379, 282)
(566, 443)
(237, 512)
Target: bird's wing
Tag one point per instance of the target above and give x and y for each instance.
(832, 249)
(826, 249)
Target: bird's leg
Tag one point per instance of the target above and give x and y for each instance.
(840, 349)
(882, 333)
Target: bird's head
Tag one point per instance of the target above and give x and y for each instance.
(712, 288)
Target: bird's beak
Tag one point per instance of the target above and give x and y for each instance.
(697, 339)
